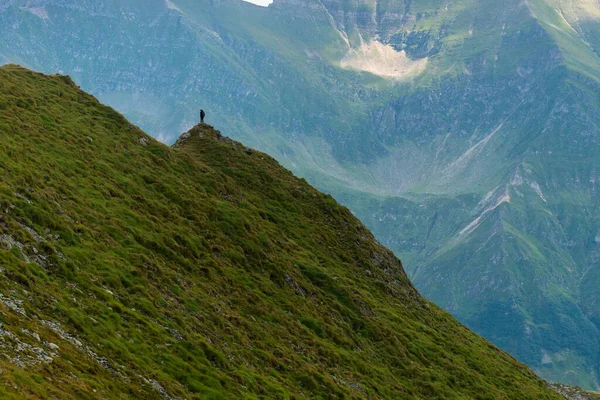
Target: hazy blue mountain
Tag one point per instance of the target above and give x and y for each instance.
(464, 133)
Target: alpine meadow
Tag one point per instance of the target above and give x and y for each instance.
(464, 134)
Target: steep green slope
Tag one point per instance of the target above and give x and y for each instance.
(475, 162)
(204, 271)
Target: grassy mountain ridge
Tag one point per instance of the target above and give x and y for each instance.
(480, 172)
(135, 270)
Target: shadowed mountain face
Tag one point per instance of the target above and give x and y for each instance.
(463, 133)
(206, 270)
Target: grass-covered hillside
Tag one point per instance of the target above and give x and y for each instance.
(134, 270)
(465, 134)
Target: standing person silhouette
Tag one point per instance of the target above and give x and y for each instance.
(202, 115)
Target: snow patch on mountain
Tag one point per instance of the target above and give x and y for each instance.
(263, 3)
(474, 150)
(169, 4)
(37, 11)
(383, 60)
(577, 10)
(536, 187)
(490, 202)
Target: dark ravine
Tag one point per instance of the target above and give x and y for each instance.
(135, 270)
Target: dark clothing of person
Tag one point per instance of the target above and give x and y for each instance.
(202, 115)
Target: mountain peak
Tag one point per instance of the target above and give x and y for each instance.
(200, 130)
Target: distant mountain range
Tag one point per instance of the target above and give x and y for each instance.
(464, 133)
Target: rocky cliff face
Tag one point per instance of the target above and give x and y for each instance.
(464, 133)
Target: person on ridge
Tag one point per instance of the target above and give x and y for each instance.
(202, 115)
